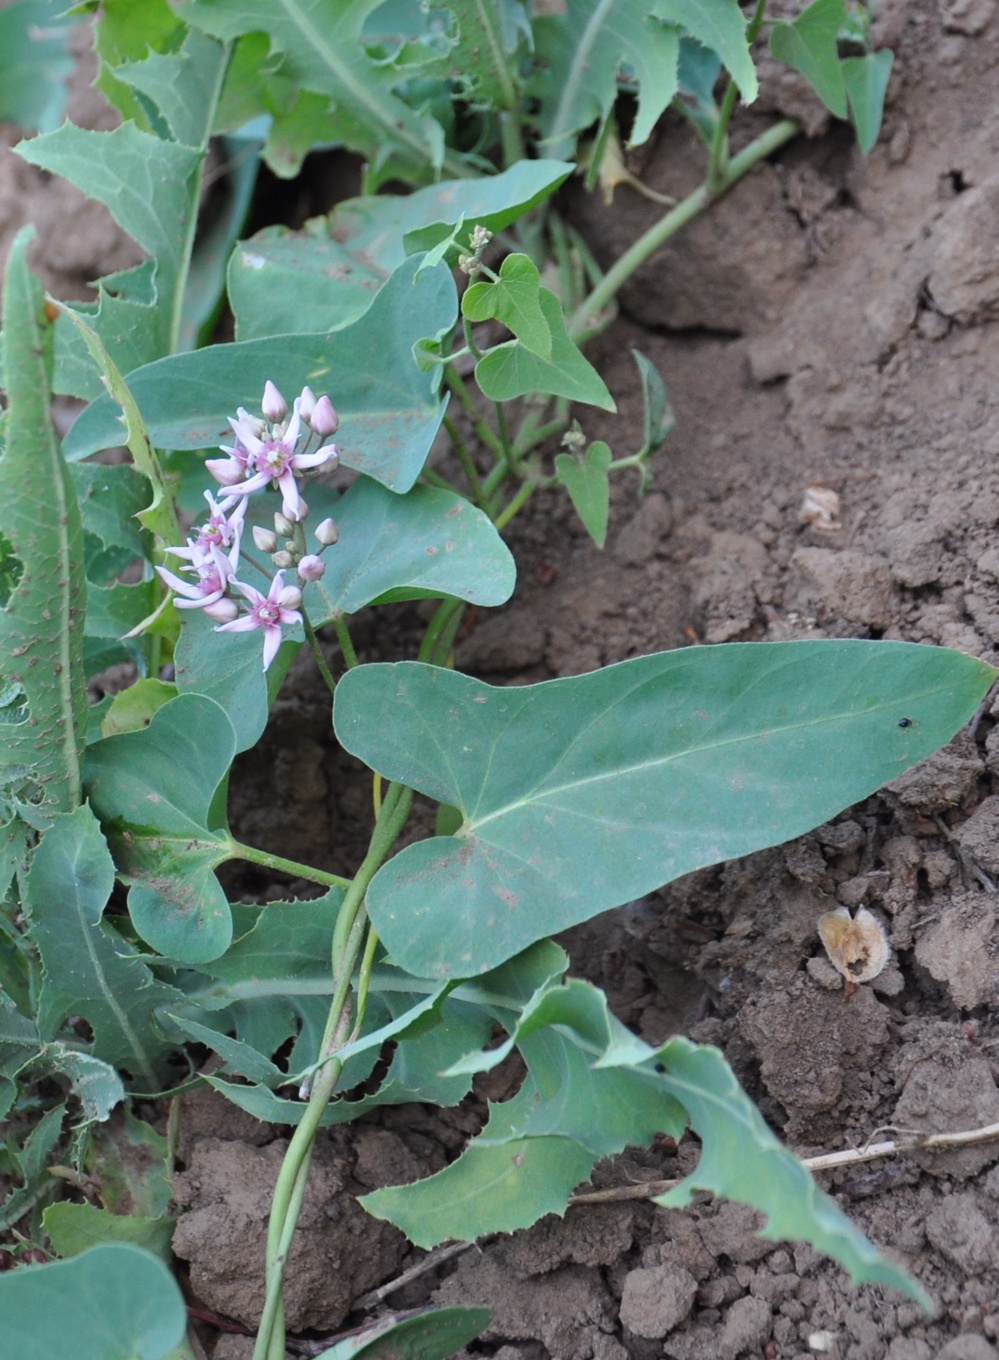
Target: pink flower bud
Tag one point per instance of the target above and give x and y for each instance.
(311, 567)
(326, 533)
(226, 471)
(222, 611)
(266, 540)
(325, 420)
(290, 597)
(273, 405)
(283, 559)
(307, 404)
(283, 524)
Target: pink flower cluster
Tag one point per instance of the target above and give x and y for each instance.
(267, 451)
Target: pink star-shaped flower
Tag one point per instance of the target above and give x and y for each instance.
(270, 612)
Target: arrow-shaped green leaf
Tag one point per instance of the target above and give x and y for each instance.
(580, 794)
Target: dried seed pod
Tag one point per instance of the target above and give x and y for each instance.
(857, 945)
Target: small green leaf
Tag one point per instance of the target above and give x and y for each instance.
(866, 80)
(511, 370)
(588, 486)
(743, 1160)
(426, 1336)
(809, 45)
(515, 302)
(657, 414)
(114, 1302)
(96, 1084)
(582, 793)
(154, 791)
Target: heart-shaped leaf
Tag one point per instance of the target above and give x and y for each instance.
(155, 792)
(514, 301)
(583, 793)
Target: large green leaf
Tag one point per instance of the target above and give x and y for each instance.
(485, 60)
(156, 792)
(429, 542)
(743, 1160)
(591, 1088)
(580, 794)
(580, 53)
(41, 626)
(110, 1303)
(389, 411)
(316, 46)
(90, 970)
(34, 63)
(332, 269)
(151, 183)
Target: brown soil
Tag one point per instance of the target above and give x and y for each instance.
(832, 321)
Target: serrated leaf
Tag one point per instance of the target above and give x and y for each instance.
(110, 497)
(332, 269)
(30, 1165)
(743, 1160)
(809, 45)
(514, 300)
(90, 970)
(511, 370)
(720, 26)
(113, 1302)
(588, 486)
(41, 626)
(866, 80)
(389, 411)
(426, 1336)
(580, 54)
(96, 1084)
(698, 74)
(317, 46)
(154, 791)
(73, 1228)
(483, 61)
(580, 794)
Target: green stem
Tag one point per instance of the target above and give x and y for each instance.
(290, 1187)
(718, 155)
(317, 652)
(439, 637)
(521, 498)
(530, 438)
(464, 457)
(667, 226)
(504, 434)
(345, 640)
(286, 866)
(482, 430)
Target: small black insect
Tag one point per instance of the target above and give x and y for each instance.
(905, 722)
